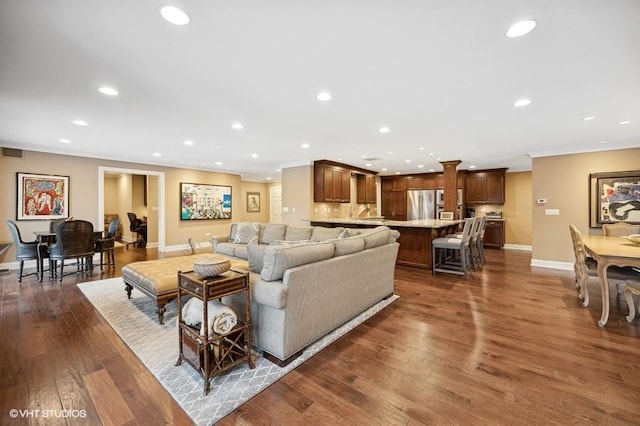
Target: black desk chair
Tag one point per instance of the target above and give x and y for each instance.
(137, 226)
(74, 240)
(26, 251)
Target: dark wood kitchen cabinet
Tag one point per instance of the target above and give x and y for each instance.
(485, 187)
(332, 184)
(394, 198)
(366, 189)
(494, 234)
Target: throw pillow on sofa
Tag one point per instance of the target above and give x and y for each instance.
(277, 259)
(348, 245)
(245, 232)
(255, 254)
(321, 233)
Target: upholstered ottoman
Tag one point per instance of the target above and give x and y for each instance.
(158, 279)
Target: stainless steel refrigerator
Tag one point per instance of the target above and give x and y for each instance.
(421, 204)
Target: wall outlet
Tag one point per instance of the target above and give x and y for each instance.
(552, 212)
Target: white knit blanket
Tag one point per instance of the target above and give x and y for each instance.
(221, 317)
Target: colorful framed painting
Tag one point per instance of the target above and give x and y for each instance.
(204, 202)
(253, 202)
(614, 197)
(42, 197)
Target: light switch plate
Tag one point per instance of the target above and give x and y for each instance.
(552, 212)
(541, 201)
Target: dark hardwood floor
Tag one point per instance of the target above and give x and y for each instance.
(514, 346)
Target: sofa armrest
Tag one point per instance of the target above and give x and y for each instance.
(218, 239)
(270, 293)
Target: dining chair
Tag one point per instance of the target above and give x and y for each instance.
(27, 250)
(106, 245)
(74, 240)
(451, 254)
(587, 267)
(619, 229)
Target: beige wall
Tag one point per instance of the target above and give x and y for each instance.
(83, 195)
(297, 195)
(564, 182)
(517, 209)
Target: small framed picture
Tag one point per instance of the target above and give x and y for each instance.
(253, 202)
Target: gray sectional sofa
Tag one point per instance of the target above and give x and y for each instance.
(302, 289)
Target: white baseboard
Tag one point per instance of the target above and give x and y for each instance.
(185, 247)
(551, 264)
(517, 247)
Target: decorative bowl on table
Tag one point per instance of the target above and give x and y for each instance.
(634, 238)
(211, 265)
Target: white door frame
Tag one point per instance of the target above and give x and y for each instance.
(102, 170)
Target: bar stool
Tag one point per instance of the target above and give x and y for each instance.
(451, 254)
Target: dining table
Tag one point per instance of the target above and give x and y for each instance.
(49, 237)
(608, 251)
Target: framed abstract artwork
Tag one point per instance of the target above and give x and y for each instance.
(614, 197)
(204, 202)
(42, 197)
(253, 202)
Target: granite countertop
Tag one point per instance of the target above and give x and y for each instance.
(424, 223)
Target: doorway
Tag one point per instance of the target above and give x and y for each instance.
(275, 212)
(156, 209)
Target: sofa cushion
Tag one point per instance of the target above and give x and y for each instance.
(322, 233)
(348, 245)
(255, 254)
(376, 237)
(226, 248)
(245, 232)
(272, 232)
(278, 259)
(295, 234)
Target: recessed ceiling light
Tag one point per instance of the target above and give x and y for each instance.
(472, 166)
(603, 142)
(390, 152)
(268, 178)
(432, 170)
(305, 145)
(522, 102)
(521, 28)
(421, 148)
(174, 15)
(218, 163)
(384, 169)
(278, 170)
(397, 173)
(625, 122)
(324, 96)
(407, 161)
(432, 153)
(109, 91)
(237, 126)
(64, 140)
(368, 164)
(80, 122)
(157, 154)
(384, 129)
(254, 155)
(420, 166)
(588, 118)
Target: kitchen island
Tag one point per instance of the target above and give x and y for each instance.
(415, 235)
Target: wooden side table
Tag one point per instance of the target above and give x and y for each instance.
(210, 353)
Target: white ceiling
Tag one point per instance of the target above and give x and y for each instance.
(440, 74)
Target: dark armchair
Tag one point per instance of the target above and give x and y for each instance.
(106, 244)
(139, 227)
(26, 251)
(74, 240)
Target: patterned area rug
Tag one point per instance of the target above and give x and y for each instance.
(156, 345)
